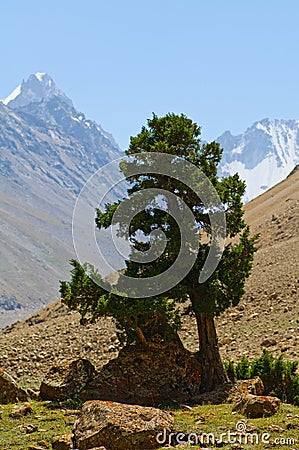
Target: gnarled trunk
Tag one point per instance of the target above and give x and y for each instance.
(213, 373)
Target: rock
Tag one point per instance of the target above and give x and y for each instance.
(148, 375)
(28, 429)
(62, 442)
(241, 388)
(225, 341)
(119, 426)
(268, 343)
(20, 411)
(10, 391)
(254, 406)
(65, 380)
(44, 444)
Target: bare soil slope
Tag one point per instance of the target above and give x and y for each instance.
(267, 316)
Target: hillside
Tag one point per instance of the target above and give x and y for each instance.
(266, 317)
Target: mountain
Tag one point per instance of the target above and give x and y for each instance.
(47, 152)
(266, 317)
(38, 87)
(263, 155)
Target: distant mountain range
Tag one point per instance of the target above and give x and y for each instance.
(263, 155)
(48, 150)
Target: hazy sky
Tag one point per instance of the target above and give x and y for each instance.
(225, 64)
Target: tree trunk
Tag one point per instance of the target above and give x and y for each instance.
(213, 373)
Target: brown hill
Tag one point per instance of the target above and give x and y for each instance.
(267, 316)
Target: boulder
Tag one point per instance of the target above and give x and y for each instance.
(242, 388)
(148, 375)
(66, 380)
(62, 442)
(254, 406)
(10, 391)
(118, 426)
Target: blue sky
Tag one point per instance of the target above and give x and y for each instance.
(225, 64)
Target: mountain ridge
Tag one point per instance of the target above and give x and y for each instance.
(38, 87)
(263, 155)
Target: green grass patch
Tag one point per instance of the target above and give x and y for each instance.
(15, 432)
(214, 420)
(207, 420)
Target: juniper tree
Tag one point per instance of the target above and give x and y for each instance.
(147, 319)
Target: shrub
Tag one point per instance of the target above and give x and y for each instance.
(279, 377)
(243, 369)
(230, 370)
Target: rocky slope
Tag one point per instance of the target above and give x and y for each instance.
(267, 316)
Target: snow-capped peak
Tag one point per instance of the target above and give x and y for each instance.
(40, 75)
(263, 155)
(39, 86)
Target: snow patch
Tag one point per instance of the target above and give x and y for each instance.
(77, 119)
(12, 96)
(261, 127)
(40, 75)
(266, 171)
(237, 150)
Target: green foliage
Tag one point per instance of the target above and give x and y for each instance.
(243, 369)
(83, 294)
(230, 369)
(145, 319)
(279, 377)
(154, 316)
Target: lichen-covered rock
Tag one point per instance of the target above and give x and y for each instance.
(241, 388)
(65, 380)
(62, 442)
(148, 375)
(254, 406)
(10, 391)
(118, 426)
